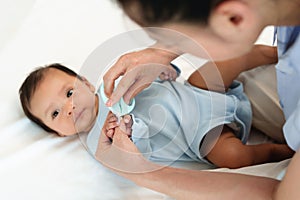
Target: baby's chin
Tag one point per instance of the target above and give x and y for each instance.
(85, 127)
(85, 124)
(66, 134)
(77, 130)
(80, 130)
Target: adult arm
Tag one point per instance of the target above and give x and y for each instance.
(289, 187)
(122, 157)
(211, 74)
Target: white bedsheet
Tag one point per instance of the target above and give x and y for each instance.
(38, 165)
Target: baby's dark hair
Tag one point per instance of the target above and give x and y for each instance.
(29, 86)
(156, 12)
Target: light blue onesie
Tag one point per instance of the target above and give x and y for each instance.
(171, 119)
(288, 81)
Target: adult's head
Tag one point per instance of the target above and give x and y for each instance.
(224, 28)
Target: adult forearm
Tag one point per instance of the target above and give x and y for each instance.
(190, 184)
(123, 157)
(289, 187)
(218, 76)
(261, 55)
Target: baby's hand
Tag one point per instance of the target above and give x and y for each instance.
(110, 124)
(126, 124)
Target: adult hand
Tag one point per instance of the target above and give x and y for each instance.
(121, 155)
(140, 69)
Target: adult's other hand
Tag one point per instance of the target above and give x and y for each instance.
(139, 70)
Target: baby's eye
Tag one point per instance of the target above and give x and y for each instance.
(69, 93)
(55, 114)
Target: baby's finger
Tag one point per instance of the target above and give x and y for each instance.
(112, 118)
(109, 116)
(128, 131)
(110, 133)
(122, 126)
(127, 119)
(112, 125)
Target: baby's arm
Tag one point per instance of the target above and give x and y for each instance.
(206, 76)
(230, 152)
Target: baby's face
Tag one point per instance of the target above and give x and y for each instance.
(65, 103)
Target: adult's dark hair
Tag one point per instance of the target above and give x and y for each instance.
(157, 12)
(29, 86)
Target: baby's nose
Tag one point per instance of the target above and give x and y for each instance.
(71, 109)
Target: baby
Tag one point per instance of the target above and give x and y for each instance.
(170, 121)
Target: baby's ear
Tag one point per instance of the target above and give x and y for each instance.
(86, 82)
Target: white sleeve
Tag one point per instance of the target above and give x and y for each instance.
(188, 64)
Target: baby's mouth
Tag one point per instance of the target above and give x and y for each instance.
(77, 115)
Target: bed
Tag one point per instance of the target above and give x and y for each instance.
(38, 165)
